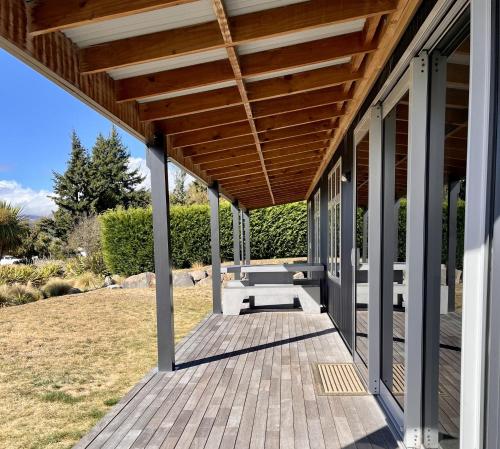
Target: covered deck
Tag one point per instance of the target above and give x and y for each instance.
(246, 381)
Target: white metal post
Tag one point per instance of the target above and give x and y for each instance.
(415, 249)
(374, 247)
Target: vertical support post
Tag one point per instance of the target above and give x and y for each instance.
(375, 190)
(388, 238)
(242, 237)
(236, 236)
(415, 249)
(434, 228)
(157, 163)
(480, 171)
(453, 191)
(246, 228)
(396, 230)
(364, 250)
(213, 198)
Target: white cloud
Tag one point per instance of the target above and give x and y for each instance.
(33, 202)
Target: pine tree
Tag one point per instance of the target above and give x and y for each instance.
(112, 183)
(71, 188)
(178, 195)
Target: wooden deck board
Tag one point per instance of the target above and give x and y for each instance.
(245, 382)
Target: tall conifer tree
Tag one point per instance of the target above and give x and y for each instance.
(71, 188)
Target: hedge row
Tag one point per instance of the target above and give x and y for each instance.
(127, 235)
(402, 232)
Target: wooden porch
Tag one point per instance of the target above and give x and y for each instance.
(246, 382)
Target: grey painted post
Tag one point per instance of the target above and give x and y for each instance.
(246, 227)
(453, 191)
(236, 236)
(213, 198)
(388, 238)
(157, 163)
(374, 247)
(242, 237)
(416, 249)
(434, 225)
(364, 253)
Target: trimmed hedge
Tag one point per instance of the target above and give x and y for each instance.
(402, 232)
(127, 235)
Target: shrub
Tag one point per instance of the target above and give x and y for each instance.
(127, 235)
(88, 281)
(94, 263)
(56, 287)
(17, 294)
(34, 274)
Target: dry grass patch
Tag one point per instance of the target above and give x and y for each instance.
(65, 361)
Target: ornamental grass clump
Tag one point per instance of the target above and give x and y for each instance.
(18, 294)
(88, 281)
(56, 287)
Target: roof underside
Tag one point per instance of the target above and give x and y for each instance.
(253, 94)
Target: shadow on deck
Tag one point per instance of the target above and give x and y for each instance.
(245, 382)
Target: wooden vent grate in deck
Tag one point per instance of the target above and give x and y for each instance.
(398, 379)
(338, 379)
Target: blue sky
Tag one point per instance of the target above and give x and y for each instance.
(36, 121)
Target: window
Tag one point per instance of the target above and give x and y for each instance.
(317, 216)
(334, 217)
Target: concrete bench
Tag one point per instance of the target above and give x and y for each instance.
(235, 292)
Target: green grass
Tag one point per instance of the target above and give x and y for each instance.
(64, 362)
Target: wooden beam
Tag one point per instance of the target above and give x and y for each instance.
(214, 134)
(301, 82)
(299, 55)
(228, 162)
(294, 131)
(220, 13)
(305, 161)
(221, 145)
(294, 151)
(222, 155)
(150, 47)
(258, 90)
(189, 104)
(298, 117)
(303, 16)
(295, 141)
(145, 86)
(202, 120)
(54, 15)
(321, 97)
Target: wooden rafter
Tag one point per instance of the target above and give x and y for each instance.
(233, 58)
(55, 15)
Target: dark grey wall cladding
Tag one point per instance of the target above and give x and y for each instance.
(337, 297)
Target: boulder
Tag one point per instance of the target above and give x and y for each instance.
(206, 282)
(108, 280)
(299, 275)
(143, 280)
(182, 280)
(198, 275)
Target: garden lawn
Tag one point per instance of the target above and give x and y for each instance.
(64, 362)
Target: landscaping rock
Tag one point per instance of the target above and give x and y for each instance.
(182, 280)
(207, 282)
(143, 280)
(108, 280)
(113, 286)
(198, 275)
(299, 275)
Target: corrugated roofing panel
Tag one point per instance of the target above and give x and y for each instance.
(238, 7)
(298, 69)
(168, 64)
(145, 23)
(194, 90)
(302, 36)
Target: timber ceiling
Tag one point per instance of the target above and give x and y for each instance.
(456, 132)
(254, 94)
